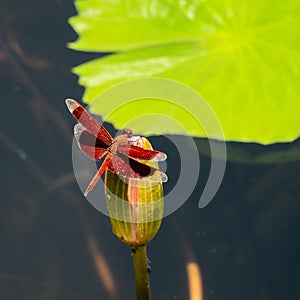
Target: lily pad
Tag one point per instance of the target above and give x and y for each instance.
(241, 56)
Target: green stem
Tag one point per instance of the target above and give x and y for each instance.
(142, 283)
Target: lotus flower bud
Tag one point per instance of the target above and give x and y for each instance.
(135, 206)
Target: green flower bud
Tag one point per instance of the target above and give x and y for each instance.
(135, 206)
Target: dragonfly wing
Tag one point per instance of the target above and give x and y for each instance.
(90, 145)
(140, 153)
(84, 118)
(131, 168)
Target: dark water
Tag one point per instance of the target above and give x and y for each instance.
(55, 245)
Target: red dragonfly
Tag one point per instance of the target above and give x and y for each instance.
(122, 157)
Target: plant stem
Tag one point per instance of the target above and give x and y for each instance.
(142, 283)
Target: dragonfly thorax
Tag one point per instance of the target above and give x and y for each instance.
(121, 139)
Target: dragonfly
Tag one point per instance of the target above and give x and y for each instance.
(119, 154)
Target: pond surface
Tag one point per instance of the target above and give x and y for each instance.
(55, 245)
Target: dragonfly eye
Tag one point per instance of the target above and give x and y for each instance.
(127, 131)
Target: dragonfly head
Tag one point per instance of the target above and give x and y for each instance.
(127, 131)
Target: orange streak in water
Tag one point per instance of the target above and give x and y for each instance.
(102, 267)
(195, 281)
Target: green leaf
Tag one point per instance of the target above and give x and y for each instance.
(241, 56)
(105, 25)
